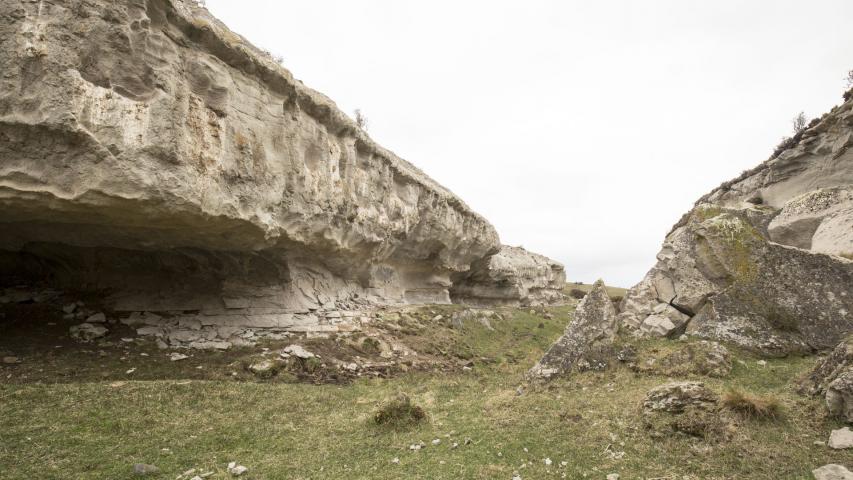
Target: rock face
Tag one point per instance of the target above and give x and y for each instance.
(763, 261)
(588, 339)
(513, 276)
(148, 151)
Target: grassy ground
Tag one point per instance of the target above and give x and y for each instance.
(97, 424)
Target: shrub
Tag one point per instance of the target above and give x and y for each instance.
(399, 412)
(752, 406)
(577, 293)
(360, 119)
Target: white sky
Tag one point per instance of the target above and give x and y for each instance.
(581, 129)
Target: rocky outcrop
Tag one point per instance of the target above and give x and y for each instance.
(762, 261)
(513, 276)
(148, 151)
(587, 343)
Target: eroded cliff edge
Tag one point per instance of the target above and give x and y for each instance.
(148, 151)
(765, 260)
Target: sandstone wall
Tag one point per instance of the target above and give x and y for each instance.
(147, 150)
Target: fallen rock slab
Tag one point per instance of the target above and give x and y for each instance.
(587, 341)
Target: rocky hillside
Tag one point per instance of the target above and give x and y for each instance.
(148, 151)
(766, 260)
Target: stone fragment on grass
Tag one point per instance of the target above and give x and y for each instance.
(264, 368)
(236, 470)
(86, 332)
(175, 356)
(832, 472)
(684, 407)
(587, 341)
(841, 439)
(298, 351)
(143, 469)
(676, 397)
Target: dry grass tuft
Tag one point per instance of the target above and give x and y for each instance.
(399, 412)
(752, 406)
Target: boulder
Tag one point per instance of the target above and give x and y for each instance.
(587, 343)
(161, 157)
(763, 261)
(513, 276)
(832, 472)
(833, 378)
(687, 408)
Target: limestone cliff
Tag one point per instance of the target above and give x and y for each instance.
(764, 260)
(147, 150)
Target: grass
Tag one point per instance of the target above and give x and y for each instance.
(752, 406)
(98, 423)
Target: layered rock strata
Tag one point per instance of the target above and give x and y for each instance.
(149, 152)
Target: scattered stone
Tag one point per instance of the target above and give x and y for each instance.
(613, 476)
(762, 363)
(69, 308)
(841, 439)
(395, 460)
(86, 332)
(676, 397)
(298, 351)
(97, 318)
(587, 342)
(436, 441)
(236, 470)
(547, 461)
(143, 469)
(11, 360)
(832, 472)
(175, 356)
(130, 371)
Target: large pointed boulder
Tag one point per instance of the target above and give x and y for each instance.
(587, 342)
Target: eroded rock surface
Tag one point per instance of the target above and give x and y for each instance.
(587, 343)
(148, 151)
(513, 276)
(762, 261)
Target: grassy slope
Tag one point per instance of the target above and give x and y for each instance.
(98, 429)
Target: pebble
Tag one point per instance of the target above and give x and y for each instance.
(11, 360)
(436, 441)
(395, 460)
(97, 318)
(130, 371)
(547, 461)
(613, 476)
(177, 356)
(763, 363)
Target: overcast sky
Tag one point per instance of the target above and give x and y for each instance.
(581, 129)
